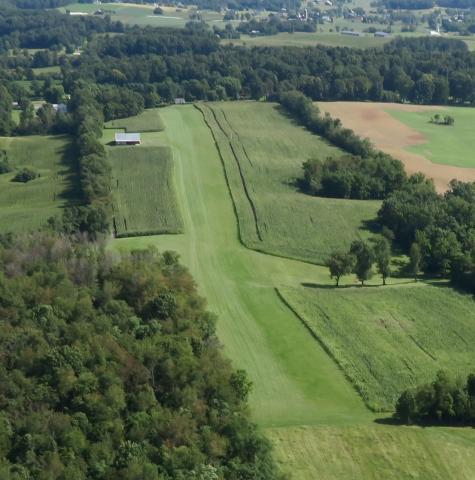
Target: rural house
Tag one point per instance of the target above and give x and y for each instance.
(127, 138)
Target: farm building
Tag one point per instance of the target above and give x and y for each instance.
(381, 34)
(351, 33)
(180, 101)
(127, 138)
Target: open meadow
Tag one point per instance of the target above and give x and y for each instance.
(388, 339)
(27, 206)
(440, 152)
(144, 193)
(262, 151)
(301, 398)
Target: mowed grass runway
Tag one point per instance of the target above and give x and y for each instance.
(27, 206)
(318, 423)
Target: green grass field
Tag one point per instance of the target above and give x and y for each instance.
(25, 207)
(144, 191)
(135, 14)
(304, 39)
(263, 151)
(147, 121)
(450, 145)
(388, 339)
(317, 421)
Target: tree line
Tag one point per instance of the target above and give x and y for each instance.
(111, 369)
(192, 64)
(445, 401)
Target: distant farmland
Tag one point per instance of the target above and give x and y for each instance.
(387, 339)
(262, 152)
(145, 200)
(26, 206)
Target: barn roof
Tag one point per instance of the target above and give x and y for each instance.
(127, 137)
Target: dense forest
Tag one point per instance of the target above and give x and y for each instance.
(110, 369)
(193, 64)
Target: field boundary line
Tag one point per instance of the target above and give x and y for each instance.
(325, 348)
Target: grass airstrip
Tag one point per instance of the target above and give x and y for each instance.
(311, 412)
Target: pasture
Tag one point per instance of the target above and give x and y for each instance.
(387, 339)
(315, 418)
(447, 145)
(144, 193)
(262, 152)
(442, 153)
(27, 206)
(147, 121)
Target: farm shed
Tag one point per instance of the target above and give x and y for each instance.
(180, 101)
(127, 138)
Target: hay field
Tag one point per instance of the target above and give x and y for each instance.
(144, 193)
(387, 339)
(379, 122)
(26, 206)
(262, 151)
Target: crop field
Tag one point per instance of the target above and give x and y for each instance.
(147, 121)
(144, 192)
(388, 339)
(301, 399)
(262, 152)
(27, 206)
(440, 152)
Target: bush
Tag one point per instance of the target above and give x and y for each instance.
(25, 175)
(5, 166)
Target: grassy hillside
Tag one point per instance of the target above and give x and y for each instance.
(262, 152)
(449, 145)
(387, 339)
(147, 121)
(26, 206)
(324, 430)
(144, 192)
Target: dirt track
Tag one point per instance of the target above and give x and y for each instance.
(393, 137)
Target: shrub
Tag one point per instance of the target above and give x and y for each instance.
(25, 175)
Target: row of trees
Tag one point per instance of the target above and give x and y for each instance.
(360, 260)
(444, 401)
(110, 369)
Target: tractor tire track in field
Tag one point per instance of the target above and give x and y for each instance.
(231, 146)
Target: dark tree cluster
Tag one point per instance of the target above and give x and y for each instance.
(442, 226)
(110, 369)
(426, 4)
(353, 177)
(445, 401)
